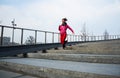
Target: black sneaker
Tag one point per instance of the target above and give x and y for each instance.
(65, 41)
(63, 46)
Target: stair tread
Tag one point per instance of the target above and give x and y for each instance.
(97, 68)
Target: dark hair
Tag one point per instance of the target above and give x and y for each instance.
(64, 23)
(65, 19)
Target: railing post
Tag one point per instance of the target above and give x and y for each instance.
(113, 36)
(75, 37)
(70, 38)
(117, 36)
(1, 40)
(53, 37)
(13, 36)
(85, 38)
(78, 37)
(94, 38)
(35, 36)
(45, 37)
(108, 37)
(91, 38)
(21, 36)
(58, 37)
(101, 37)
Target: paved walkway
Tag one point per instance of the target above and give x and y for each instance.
(9, 74)
(103, 69)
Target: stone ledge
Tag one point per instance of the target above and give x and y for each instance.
(92, 58)
(51, 72)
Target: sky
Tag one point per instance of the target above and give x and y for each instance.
(97, 15)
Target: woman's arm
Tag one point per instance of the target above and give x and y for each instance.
(59, 28)
(70, 28)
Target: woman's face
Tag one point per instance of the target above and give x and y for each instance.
(63, 20)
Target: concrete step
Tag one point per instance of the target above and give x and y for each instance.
(103, 47)
(10, 74)
(91, 58)
(61, 69)
(84, 51)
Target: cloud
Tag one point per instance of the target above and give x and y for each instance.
(46, 15)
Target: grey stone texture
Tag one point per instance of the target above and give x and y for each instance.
(62, 69)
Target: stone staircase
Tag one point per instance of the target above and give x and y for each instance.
(102, 47)
(85, 60)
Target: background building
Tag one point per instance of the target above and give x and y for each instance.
(6, 40)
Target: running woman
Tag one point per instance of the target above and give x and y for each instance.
(63, 34)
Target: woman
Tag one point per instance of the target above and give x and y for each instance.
(62, 28)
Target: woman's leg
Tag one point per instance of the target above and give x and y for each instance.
(62, 38)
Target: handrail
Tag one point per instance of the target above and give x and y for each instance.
(27, 29)
(70, 38)
(22, 33)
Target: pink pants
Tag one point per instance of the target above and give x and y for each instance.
(63, 37)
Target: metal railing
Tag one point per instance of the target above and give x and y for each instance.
(41, 37)
(22, 31)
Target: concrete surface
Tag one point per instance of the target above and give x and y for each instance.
(67, 69)
(92, 58)
(9, 74)
(103, 47)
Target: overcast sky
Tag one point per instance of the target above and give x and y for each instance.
(47, 14)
